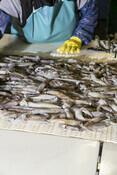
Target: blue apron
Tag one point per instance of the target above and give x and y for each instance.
(49, 23)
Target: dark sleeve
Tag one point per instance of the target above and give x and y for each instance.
(5, 19)
(88, 21)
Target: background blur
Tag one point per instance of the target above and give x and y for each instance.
(107, 22)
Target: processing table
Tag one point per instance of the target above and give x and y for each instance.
(25, 153)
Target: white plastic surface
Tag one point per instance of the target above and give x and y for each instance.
(11, 44)
(28, 154)
(109, 159)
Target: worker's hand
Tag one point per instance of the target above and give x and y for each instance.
(71, 46)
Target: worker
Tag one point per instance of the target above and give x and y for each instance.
(71, 22)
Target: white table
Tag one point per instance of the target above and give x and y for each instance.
(27, 154)
(109, 159)
(11, 44)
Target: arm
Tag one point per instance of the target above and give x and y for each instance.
(5, 19)
(8, 9)
(85, 28)
(88, 21)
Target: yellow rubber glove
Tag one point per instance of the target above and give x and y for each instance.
(71, 46)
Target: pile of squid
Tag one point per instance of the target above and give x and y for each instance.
(72, 93)
(104, 45)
